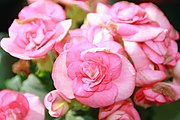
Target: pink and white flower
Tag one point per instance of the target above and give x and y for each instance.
(39, 27)
(147, 72)
(128, 20)
(157, 94)
(91, 72)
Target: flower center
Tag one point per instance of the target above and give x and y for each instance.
(93, 73)
(91, 70)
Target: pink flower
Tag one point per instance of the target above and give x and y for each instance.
(16, 106)
(120, 12)
(123, 110)
(94, 34)
(74, 37)
(39, 27)
(152, 59)
(163, 52)
(149, 42)
(56, 103)
(96, 75)
(156, 15)
(97, 34)
(158, 94)
(128, 20)
(147, 72)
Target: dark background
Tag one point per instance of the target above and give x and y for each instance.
(8, 12)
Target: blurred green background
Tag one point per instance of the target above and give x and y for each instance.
(9, 11)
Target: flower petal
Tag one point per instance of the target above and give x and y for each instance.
(61, 80)
(37, 111)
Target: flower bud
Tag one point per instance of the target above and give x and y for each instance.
(56, 103)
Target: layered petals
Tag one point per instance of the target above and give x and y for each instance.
(93, 72)
(155, 14)
(36, 31)
(158, 94)
(119, 111)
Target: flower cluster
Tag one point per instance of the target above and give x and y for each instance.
(123, 54)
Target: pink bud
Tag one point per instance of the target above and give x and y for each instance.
(56, 103)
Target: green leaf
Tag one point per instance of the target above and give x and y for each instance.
(113, 1)
(169, 111)
(177, 117)
(14, 83)
(77, 106)
(2, 35)
(33, 85)
(77, 15)
(145, 113)
(48, 117)
(47, 81)
(6, 62)
(71, 115)
(45, 64)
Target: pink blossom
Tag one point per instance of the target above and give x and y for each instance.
(94, 34)
(90, 72)
(74, 36)
(152, 59)
(162, 49)
(120, 12)
(149, 42)
(156, 15)
(157, 94)
(163, 52)
(39, 27)
(56, 103)
(14, 105)
(147, 71)
(123, 110)
(128, 20)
